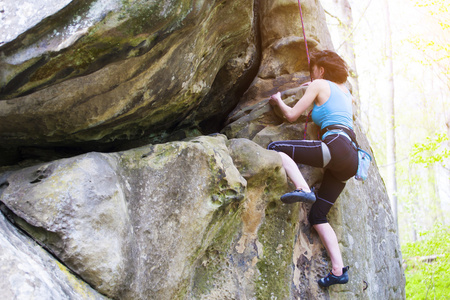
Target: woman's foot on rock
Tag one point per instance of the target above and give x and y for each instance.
(331, 279)
(299, 196)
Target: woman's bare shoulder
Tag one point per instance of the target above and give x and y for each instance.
(319, 84)
(322, 89)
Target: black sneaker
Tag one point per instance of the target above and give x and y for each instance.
(331, 279)
(299, 196)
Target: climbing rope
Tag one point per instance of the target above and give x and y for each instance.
(304, 34)
(309, 63)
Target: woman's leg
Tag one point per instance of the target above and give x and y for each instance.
(294, 173)
(298, 151)
(328, 193)
(329, 240)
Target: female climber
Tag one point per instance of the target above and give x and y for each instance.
(336, 152)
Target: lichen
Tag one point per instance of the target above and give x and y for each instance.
(78, 285)
(213, 261)
(277, 237)
(120, 35)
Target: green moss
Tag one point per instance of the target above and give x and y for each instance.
(138, 26)
(80, 287)
(154, 16)
(76, 60)
(277, 236)
(214, 261)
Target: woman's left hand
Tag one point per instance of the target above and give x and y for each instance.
(275, 98)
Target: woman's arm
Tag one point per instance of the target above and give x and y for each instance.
(293, 113)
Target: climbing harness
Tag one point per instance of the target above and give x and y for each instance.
(364, 158)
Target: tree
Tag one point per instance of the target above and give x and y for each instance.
(390, 120)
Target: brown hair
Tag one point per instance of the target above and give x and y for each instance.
(336, 68)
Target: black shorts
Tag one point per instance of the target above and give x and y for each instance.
(341, 167)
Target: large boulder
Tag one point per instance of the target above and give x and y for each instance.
(29, 272)
(104, 71)
(199, 218)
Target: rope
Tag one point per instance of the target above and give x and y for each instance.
(304, 34)
(306, 124)
(309, 63)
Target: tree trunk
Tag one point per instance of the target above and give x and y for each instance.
(390, 120)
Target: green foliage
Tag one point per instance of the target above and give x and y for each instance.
(432, 151)
(428, 265)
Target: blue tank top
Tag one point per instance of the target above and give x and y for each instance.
(336, 110)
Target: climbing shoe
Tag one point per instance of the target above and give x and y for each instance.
(331, 279)
(299, 196)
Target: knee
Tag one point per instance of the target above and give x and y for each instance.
(319, 211)
(315, 219)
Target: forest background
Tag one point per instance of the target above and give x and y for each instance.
(399, 54)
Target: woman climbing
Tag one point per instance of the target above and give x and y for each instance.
(335, 152)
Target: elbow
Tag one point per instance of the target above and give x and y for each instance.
(291, 118)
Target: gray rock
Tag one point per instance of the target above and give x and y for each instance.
(100, 73)
(143, 223)
(76, 209)
(200, 218)
(20, 15)
(29, 272)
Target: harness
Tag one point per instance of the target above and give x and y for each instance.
(338, 127)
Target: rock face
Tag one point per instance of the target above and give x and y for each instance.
(198, 219)
(29, 272)
(362, 217)
(101, 72)
(170, 212)
(169, 221)
(284, 63)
